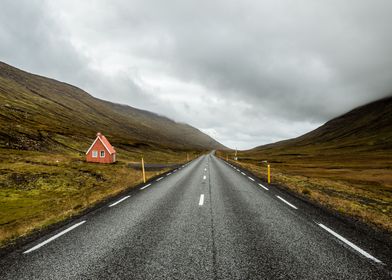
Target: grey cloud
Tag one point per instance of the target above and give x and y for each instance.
(32, 38)
(249, 72)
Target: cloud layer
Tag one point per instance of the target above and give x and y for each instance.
(245, 72)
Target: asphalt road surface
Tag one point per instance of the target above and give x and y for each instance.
(206, 220)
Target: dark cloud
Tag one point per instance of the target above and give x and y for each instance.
(246, 72)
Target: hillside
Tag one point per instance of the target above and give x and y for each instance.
(368, 127)
(46, 126)
(344, 165)
(37, 113)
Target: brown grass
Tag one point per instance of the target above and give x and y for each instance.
(38, 189)
(355, 185)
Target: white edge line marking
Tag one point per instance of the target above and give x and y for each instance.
(250, 178)
(159, 179)
(263, 187)
(53, 237)
(243, 173)
(146, 186)
(352, 245)
(119, 201)
(201, 201)
(168, 174)
(285, 201)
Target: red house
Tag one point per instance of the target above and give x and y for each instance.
(101, 151)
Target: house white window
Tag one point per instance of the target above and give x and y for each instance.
(102, 154)
(95, 153)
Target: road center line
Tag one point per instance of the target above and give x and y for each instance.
(201, 201)
(264, 187)
(204, 177)
(288, 203)
(146, 186)
(352, 245)
(159, 179)
(53, 237)
(250, 178)
(119, 201)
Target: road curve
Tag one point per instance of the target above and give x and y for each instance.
(206, 220)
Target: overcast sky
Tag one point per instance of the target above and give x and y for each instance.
(245, 72)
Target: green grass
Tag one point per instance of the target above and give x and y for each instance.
(37, 113)
(45, 128)
(356, 184)
(345, 165)
(38, 189)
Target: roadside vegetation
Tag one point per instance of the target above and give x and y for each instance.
(46, 126)
(38, 189)
(355, 184)
(344, 165)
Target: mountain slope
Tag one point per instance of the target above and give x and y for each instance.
(367, 127)
(43, 114)
(46, 127)
(344, 165)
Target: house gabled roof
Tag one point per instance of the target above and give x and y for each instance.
(105, 143)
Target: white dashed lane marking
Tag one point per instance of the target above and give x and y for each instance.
(201, 200)
(54, 237)
(119, 201)
(263, 187)
(352, 245)
(288, 203)
(146, 186)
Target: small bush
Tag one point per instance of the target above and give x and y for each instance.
(306, 192)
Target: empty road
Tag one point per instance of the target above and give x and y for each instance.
(206, 220)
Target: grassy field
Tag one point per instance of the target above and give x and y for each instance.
(38, 189)
(354, 183)
(45, 128)
(344, 165)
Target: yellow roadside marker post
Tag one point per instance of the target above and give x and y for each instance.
(269, 173)
(144, 173)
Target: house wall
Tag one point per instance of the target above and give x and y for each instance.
(98, 146)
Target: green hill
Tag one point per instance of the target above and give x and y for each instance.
(37, 113)
(365, 128)
(46, 126)
(344, 165)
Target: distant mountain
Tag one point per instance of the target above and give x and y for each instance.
(38, 113)
(365, 128)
